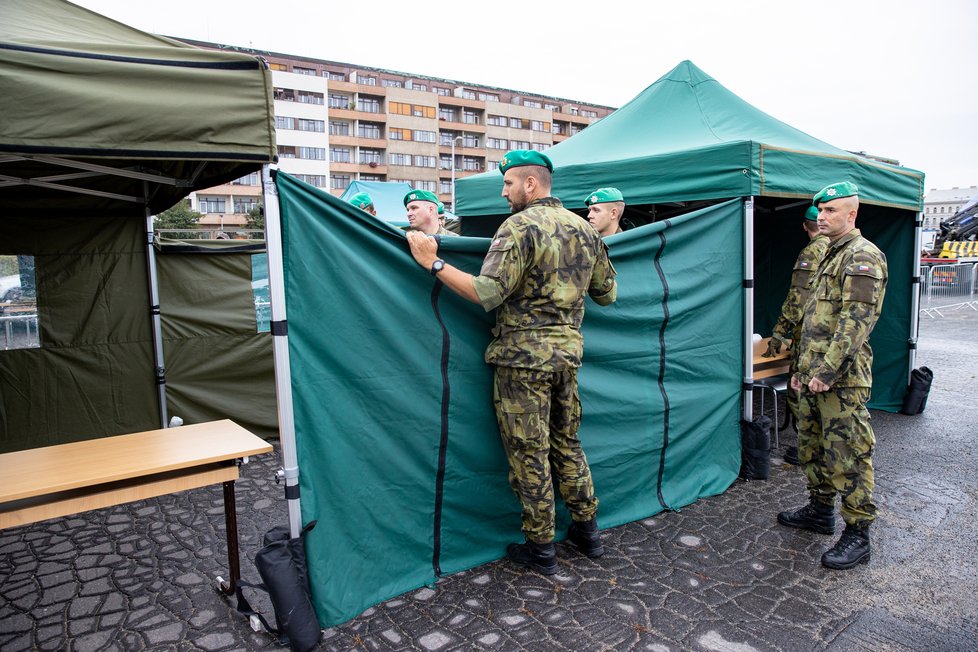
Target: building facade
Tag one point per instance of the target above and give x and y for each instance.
(940, 204)
(337, 123)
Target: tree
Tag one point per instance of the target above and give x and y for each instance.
(256, 219)
(178, 216)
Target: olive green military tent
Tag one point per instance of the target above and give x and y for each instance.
(103, 126)
(687, 142)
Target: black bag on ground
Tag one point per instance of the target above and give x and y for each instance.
(916, 398)
(755, 448)
(281, 563)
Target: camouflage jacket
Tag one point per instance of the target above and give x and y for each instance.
(443, 231)
(793, 309)
(541, 264)
(845, 302)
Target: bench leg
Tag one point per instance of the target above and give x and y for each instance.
(231, 525)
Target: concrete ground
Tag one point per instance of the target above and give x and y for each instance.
(720, 575)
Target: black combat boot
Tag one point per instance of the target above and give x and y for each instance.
(585, 537)
(541, 557)
(851, 549)
(814, 516)
(791, 456)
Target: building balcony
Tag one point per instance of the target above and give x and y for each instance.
(448, 125)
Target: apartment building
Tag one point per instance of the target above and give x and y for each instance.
(940, 204)
(337, 123)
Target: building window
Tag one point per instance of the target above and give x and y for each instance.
(397, 133)
(516, 123)
(558, 129)
(421, 136)
(588, 114)
(488, 97)
(286, 151)
(337, 101)
(399, 108)
(447, 114)
(467, 94)
(247, 180)
(317, 180)
(371, 177)
(312, 153)
(540, 146)
(278, 66)
(339, 128)
(419, 87)
(497, 143)
(552, 107)
(469, 163)
(425, 161)
(303, 71)
(424, 185)
(421, 111)
(335, 76)
(445, 162)
(310, 125)
(470, 118)
(368, 105)
(283, 122)
(446, 137)
(340, 155)
(308, 97)
(440, 91)
(284, 94)
(245, 204)
(399, 159)
(492, 165)
(538, 125)
(368, 156)
(496, 120)
(368, 130)
(519, 144)
(210, 204)
(366, 80)
(339, 181)
(533, 104)
(445, 187)
(470, 140)
(391, 83)
(407, 181)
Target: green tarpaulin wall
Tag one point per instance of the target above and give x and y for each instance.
(399, 452)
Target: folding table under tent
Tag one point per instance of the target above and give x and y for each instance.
(104, 126)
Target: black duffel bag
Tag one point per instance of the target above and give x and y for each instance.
(755, 448)
(282, 565)
(916, 398)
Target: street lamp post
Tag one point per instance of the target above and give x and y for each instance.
(453, 170)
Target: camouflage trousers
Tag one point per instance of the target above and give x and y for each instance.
(835, 446)
(539, 413)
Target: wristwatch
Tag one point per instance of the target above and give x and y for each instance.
(437, 266)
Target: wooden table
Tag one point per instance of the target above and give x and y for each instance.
(53, 481)
(767, 367)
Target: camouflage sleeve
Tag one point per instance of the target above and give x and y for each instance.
(501, 270)
(793, 308)
(603, 289)
(863, 287)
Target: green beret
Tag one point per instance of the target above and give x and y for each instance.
(441, 208)
(603, 195)
(811, 214)
(520, 157)
(361, 200)
(835, 191)
(420, 195)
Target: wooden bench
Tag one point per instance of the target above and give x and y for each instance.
(53, 481)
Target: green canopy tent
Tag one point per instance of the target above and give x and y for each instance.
(686, 142)
(104, 126)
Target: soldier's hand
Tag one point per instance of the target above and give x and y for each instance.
(423, 248)
(795, 383)
(773, 347)
(818, 386)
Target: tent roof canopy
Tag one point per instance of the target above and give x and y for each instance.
(686, 138)
(100, 117)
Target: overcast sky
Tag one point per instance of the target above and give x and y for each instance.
(894, 78)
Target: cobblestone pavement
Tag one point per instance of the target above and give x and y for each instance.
(720, 575)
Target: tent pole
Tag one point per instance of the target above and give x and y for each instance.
(154, 309)
(915, 296)
(749, 309)
(280, 349)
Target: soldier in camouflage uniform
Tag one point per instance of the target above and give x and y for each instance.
(834, 378)
(542, 263)
(422, 211)
(793, 309)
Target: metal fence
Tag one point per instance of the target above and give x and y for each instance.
(949, 287)
(205, 233)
